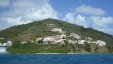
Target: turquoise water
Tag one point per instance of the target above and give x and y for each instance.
(56, 58)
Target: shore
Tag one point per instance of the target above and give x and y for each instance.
(62, 53)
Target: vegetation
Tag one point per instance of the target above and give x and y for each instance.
(30, 47)
(31, 31)
(35, 48)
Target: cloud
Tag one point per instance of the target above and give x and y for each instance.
(90, 10)
(39, 14)
(4, 3)
(88, 16)
(76, 19)
(69, 17)
(102, 21)
(25, 11)
(81, 20)
(107, 30)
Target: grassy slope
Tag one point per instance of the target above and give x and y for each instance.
(36, 29)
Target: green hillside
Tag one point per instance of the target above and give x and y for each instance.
(31, 31)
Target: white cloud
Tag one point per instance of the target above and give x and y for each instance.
(88, 16)
(81, 20)
(4, 3)
(76, 19)
(107, 30)
(39, 14)
(69, 17)
(89, 10)
(102, 21)
(25, 11)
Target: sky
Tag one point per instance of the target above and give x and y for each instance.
(96, 14)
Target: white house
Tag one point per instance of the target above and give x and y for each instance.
(46, 40)
(39, 38)
(75, 36)
(101, 43)
(53, 39)
(50, 25)
(0, 44)
(3, 49)
(72, 41)
(77, 41)
(56, 30)
(4, 44)
(63, 35)
(2, 38)
(89, 38)
(81, 42)
(23, 42)
(9, 43)
(98, 42)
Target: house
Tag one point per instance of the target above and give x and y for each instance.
(63, 35)
(56, 30)
(101, 43)
(50, 25)
(2, 38)
(98, 42)
(9, 43)
(89, 38)
(4, 44)
(72, 41)
(76, 36)
(39, 38)
(23, 42)
(3, 49)
(53, 39)
(77, 41)
(0, 44)
(81, 42)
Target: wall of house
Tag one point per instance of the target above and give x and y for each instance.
(3, 49)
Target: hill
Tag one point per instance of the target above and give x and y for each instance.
(36, 29)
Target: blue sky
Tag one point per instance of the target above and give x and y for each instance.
(96, 14)
(65, 6)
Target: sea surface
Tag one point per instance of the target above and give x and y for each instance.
(56, 58)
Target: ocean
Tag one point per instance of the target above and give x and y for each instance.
(56, 58)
